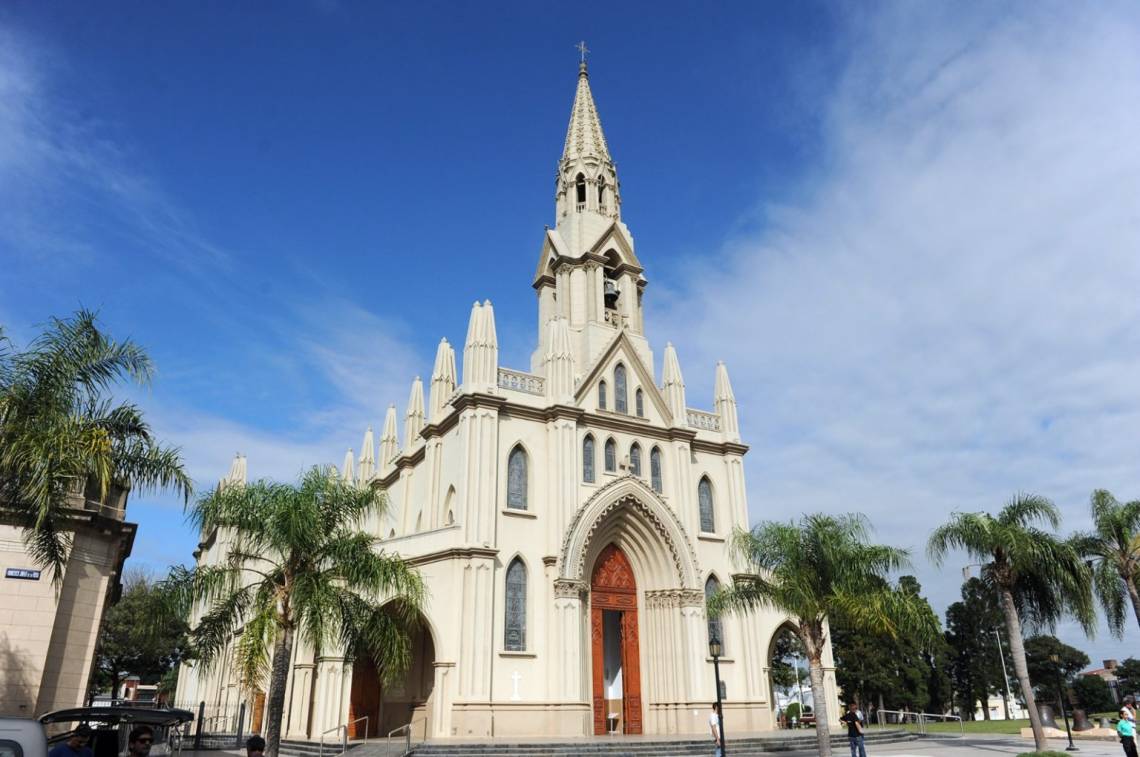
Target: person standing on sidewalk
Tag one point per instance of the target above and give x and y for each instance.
(1126, 730)
(854, 722)
(714, 726)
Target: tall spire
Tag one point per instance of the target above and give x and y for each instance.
(726, 404)
(347, 470)
(587, 176)
(442, 380)
(674, 386)
(367, 457)
(481, 351)
(389, 443)
(414, 420)
(584, 138)
(237, 474)
(559, 361)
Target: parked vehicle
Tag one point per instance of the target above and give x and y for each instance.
(22, 737)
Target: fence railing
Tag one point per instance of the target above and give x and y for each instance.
(920, 722)
(402, 740)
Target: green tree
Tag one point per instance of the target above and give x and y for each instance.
(1037, 576)
(1128, 677)
(62, 436)
(1043, 672)
(893, 671)
(975, 662)
(298, 567)
(819, 568)
(1114, 547)
(131, 642)
(1094, 694)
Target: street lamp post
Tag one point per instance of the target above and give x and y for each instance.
(715, 651)
(1004, 674)
(1056, 660)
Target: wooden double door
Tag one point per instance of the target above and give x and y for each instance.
(613, 589)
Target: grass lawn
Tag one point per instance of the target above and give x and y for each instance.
(1010, 727)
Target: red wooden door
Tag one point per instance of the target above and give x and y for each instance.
(599, 683)
(631, 675)
(613, 588)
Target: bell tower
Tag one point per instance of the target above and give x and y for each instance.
(588, 272)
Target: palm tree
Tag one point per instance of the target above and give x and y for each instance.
(1114, 547)
(63, 439)
(822, 567)
(296, 566)
(1037, 577)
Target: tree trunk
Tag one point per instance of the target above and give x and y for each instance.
(819, 700)
(1135, 597)
(1005, 703)
(279, 676)
(986, 706)
(1020, 669)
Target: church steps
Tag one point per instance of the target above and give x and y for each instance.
(746, 747)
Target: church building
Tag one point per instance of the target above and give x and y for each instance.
(569, 518)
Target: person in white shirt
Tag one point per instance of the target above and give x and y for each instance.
(714, 727)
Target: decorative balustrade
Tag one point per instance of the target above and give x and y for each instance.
(702, 420)
(521, 382)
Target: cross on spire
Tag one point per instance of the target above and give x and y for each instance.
(582, 50)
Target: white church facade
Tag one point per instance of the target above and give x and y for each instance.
(568, 520)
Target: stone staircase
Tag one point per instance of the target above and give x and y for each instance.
(784, 741)
(298, 748)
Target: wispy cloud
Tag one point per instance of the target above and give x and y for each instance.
(67, 176)
(952, 314)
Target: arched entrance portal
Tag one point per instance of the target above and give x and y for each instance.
(404, 701)
(614, 641)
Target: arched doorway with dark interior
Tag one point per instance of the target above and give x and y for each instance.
(788, 677)
(407, 700)
(616, 665)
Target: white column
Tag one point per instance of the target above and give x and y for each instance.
(571, 640)
(441, 698)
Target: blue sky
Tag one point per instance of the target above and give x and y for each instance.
(911, 230)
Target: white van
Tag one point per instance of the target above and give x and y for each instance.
(20, 737)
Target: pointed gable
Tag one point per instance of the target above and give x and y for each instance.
(639, 376)
(616, 237)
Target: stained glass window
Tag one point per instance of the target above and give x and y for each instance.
(639, 404)
(611, 456)
(620, 403)
(588, 459)
(602, 395)
(712, 586)
(515, 637)
(655, 469)
(516, 479)
(635, 459)
(705, 500)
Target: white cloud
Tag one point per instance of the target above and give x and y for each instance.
(951, 315)
(67, 177)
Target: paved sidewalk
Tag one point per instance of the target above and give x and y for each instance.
(980, 746)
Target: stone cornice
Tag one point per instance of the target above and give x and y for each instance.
(454, 553)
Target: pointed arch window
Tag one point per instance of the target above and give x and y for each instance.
(580, 186)
(655, 469)
(705, 502)
(635, 459)
(588, 459)
(620, 399)
(602, 395)
(611, 456)
(516, 479)
(514, 638)
(639, 403)
(712, 586)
